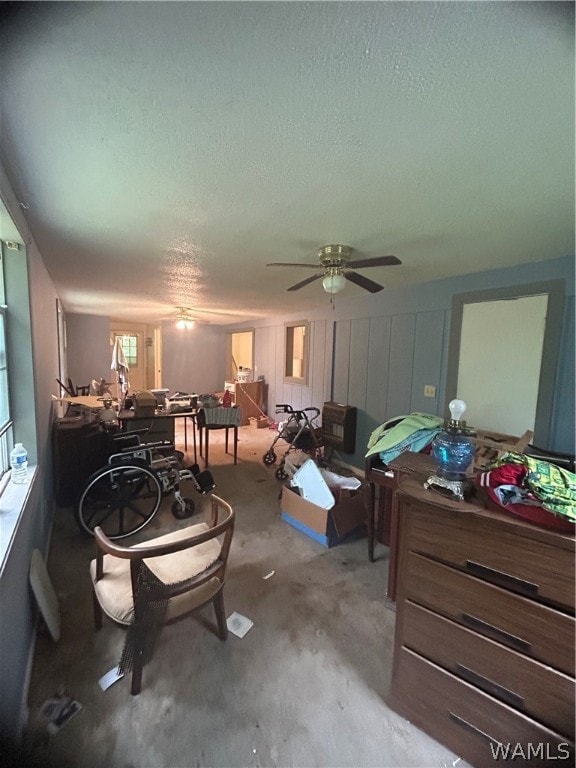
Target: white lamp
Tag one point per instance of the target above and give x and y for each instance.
(334, 282)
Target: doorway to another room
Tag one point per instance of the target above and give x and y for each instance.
(240, 354)
(138, 345)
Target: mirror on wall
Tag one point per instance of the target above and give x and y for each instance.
(503, 354)
(296, 352)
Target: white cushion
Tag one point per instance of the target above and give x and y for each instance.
(114, 589)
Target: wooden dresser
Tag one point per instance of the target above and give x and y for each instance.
(251, 398)
(484, 644)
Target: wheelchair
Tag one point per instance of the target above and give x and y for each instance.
(124, 495)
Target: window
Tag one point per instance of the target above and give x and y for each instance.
(130, 347)
(6, 440)
(296, 352)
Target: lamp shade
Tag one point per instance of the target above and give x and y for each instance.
(334, 283)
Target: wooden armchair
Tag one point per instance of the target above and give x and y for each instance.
(160, 581)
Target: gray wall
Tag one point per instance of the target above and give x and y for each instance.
(194, 360)
(88, 348)
(387, 346)
(33, 332)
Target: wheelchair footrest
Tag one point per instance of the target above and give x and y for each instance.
(205, 482)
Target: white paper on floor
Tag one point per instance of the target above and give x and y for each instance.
(238, 624)
(110, 678)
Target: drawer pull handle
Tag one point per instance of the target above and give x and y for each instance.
(497, 633)
(466, 724)
(504, 694)
(502, 578)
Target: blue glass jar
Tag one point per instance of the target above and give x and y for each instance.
(453, 453)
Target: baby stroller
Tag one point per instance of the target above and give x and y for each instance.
(300, 431)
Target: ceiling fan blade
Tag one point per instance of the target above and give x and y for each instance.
(377, 261)
(363, 282)
(290, 264)
(305, 282)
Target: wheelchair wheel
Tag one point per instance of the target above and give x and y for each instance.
(188, 510)
(269, 458)
(121, 499)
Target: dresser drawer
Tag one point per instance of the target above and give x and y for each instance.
(528, 627)
(510, 555)
(530, 687)
(468, 721)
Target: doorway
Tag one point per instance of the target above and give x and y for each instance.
(240, 353)
(132, 339)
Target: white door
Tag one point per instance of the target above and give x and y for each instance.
(133, 345)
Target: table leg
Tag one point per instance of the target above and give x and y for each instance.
(194, 437)
(393, 560)
(370, 522)
(226, 448)
(235, 445)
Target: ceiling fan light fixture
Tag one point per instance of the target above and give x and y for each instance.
(185, 321)
(334, 283)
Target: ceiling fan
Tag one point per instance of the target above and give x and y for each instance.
(337, 267)
(185, 319)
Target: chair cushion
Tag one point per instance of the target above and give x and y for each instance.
(114, 589)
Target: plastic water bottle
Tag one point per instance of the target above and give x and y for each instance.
(19, 463)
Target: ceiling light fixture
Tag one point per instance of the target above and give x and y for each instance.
(185, 320)
(334, 282)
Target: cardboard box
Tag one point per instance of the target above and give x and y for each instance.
(326, 526)
(258, 422)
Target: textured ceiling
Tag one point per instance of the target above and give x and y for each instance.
(166, 152)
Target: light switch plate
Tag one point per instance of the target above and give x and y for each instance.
(429, 390)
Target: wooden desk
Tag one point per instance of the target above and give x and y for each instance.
(383, 513)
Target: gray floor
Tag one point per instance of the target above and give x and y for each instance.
(306, 686)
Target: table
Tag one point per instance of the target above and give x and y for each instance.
(383, 512)
(219, 418)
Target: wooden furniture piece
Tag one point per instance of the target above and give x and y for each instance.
(484, 642)
(383, 509)
(250, 398)
(219, 417)
(383, 481)
(79, 448)
(161, 581)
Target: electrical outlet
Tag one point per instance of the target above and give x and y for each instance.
(429, 390)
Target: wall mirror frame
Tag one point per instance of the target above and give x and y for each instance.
(296, 351)
(554, 289)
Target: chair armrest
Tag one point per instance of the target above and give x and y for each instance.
(152, 549)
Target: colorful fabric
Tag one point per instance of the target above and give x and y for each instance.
(403, 433)
(554, 487)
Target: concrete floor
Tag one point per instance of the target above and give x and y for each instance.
(306, 686)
